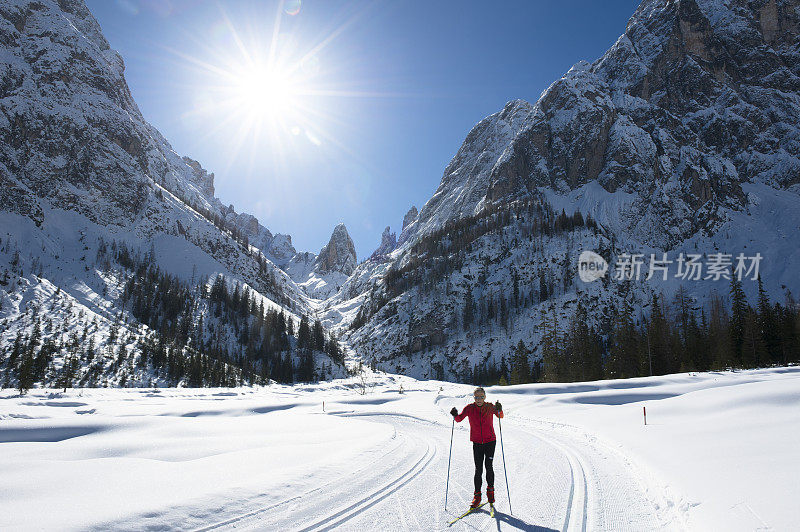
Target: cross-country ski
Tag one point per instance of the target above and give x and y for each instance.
(469, 511)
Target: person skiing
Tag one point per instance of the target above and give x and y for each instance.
(481, 434)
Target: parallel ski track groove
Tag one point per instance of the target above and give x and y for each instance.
(328, 523)
(343, 515)
(572, 456)
(248, 515)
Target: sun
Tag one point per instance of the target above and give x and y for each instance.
(266, 92)
(267, 89)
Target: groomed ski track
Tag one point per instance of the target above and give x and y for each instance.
(560, 479)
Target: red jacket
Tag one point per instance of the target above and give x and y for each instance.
(481, 423)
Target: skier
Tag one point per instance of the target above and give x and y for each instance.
(481, 434)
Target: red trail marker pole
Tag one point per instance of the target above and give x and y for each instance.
(644, 411)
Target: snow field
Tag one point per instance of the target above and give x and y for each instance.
(719, 453)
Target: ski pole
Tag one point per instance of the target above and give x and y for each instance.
(447, 488)
(505, 473)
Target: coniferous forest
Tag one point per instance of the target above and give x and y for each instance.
(187, 339)
(674, 337)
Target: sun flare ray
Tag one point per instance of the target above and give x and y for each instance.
(271, 95)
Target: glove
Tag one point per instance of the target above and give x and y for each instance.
(498, 406)
(454, 412)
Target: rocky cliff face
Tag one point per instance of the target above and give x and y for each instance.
(65, 130)
(388, 244)
(409, 224)
(684, 136)
(339, 255)
(695, 98)
(72, 138)
(411, 216)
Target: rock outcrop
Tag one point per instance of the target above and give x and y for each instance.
(388, 244)
(339, 255)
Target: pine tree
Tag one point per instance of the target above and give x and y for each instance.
(658, 332)
(719, 337)
(684, 317)
(304, 334)
(551, 349)
(583, 345)
(790, 332)
(623, 361)
(25, 372)
(334, 350)
(490, 309)
(768, 328)
(739, 309)
(754, 353)
(68, 372)
(305, 370)
(697, 355)
(318, 336)
(16, 350)
(520, 368)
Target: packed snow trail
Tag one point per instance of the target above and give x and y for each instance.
(557, 483)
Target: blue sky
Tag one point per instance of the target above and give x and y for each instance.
(367, 104)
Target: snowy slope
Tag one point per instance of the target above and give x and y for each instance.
(718, 453)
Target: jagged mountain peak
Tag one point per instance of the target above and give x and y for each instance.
(410, 216)
(201, 177)
(388, 244)
(90, 192)
(339, 255)
(409, 225)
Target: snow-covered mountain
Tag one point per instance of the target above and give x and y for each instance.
(682, 138)
(321, 276)
(93, 196)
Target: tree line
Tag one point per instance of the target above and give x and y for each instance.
(442, 251)
(675, 337)
(230, 323)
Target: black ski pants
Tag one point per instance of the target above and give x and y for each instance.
(483, 453)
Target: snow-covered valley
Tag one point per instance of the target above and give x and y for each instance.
(169, 363)
(719, 452)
